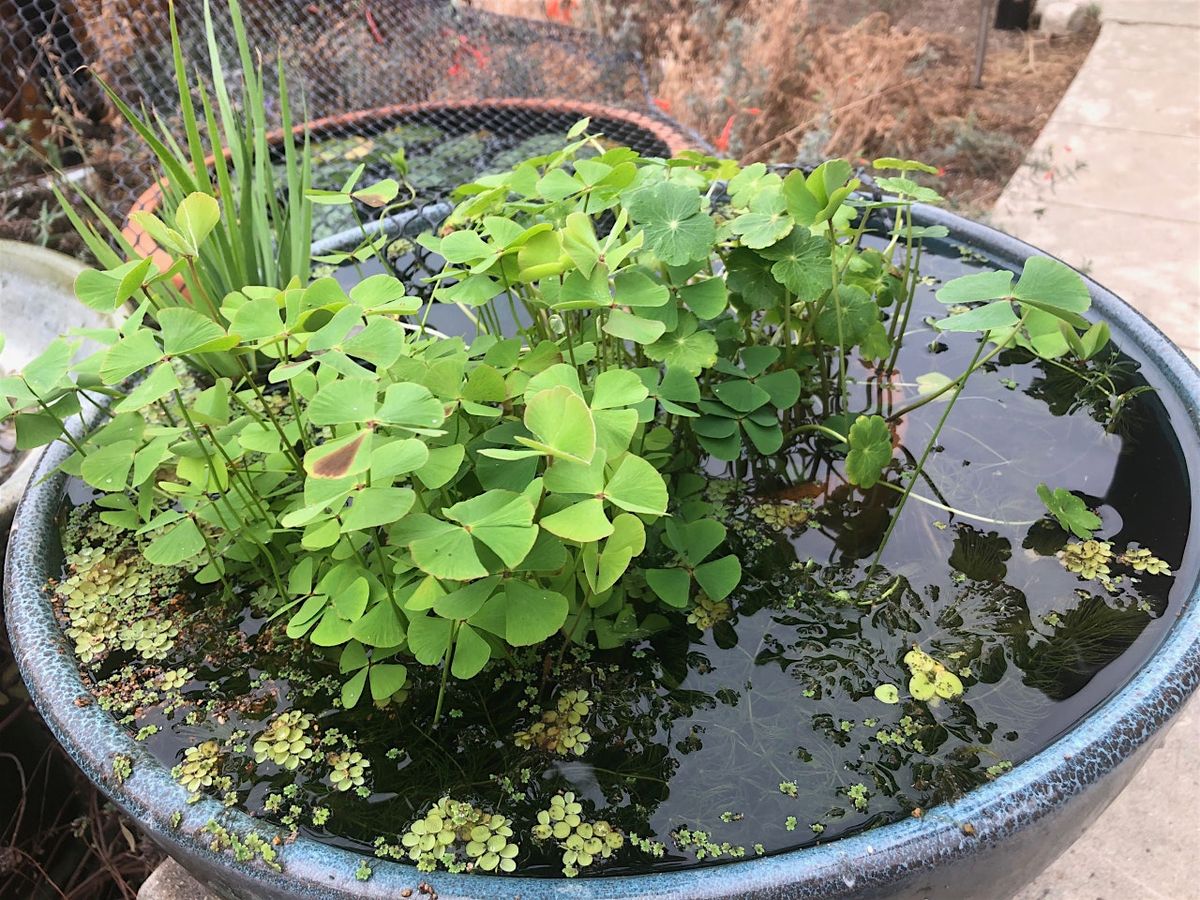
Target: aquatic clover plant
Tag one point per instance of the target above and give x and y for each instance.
(410, 499)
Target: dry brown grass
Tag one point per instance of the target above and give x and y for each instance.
(786, 80)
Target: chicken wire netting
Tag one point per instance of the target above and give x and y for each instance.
(447, 74)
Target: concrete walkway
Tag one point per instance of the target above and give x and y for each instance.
(1113, 187)
(1112, 184)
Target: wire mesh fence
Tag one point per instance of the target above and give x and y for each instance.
(451, 84)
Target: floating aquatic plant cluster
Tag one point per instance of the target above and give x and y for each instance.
(112, 597)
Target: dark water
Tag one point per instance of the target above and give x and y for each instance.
(698, 731)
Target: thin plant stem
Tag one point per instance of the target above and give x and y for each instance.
(957, 383)
(441, 697)
(887, 535)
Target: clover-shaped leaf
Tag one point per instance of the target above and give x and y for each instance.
(801, 263)
(676, 228)
(633, 484)
(500, 520)
(562, 426)
(629, 327)
(870, 450)
(694, 542)
(1051, 295)
(685, 348)
(766, 222)
(604, 567)
(381, 193)
(185, 331)
(522, 614)
(106, 291)
(707, 297)
(1070, 511)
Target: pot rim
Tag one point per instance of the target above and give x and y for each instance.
(1032, 791)
(670, 134)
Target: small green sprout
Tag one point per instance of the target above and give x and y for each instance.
(122, 768)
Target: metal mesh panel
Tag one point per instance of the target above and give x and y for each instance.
(426, 60)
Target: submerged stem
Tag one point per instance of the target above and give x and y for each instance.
(887, 535)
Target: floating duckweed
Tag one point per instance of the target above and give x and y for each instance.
(175, 679)
(582, 842)
(647, 846)
(122, 768)
(701, 844)
(243, 849)
(149, 638)
(347, 769)
(858, 795)
(363, 872)
(995, 771)
(454, 829)
(930, 678)
(720, 489)
(708, 612)
(398, 248)
(110, 594)
(1088, 559)
(285, 741)
(1141, 559)
(560, 730)
(788, 788)
(199, 767)
(781, 516)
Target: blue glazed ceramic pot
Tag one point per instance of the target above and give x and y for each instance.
(985, 845)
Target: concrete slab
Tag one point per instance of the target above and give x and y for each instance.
(1165, 50)
(1106, 168)
(170, 881)
(1104, 96)
(1143, 846)
(1151, 12)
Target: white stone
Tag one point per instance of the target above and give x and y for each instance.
(1062, 16)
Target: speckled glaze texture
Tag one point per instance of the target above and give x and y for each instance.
(983, 846)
